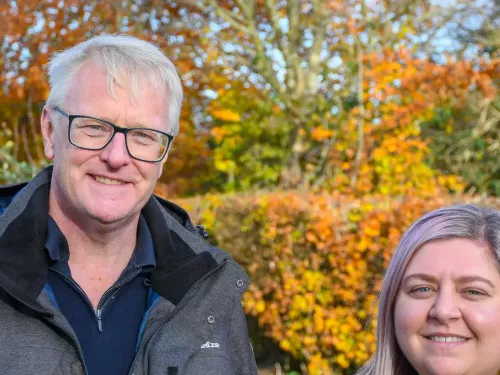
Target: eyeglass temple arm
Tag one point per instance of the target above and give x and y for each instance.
(57, 109)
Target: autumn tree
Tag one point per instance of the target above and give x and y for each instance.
(465, 139)
(311, 60)
(277, 92)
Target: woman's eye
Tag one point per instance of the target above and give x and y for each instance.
(422, 289)
(474, 292)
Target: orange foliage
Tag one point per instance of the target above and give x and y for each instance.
(399, 94)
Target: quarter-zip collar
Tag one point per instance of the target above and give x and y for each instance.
(143, 256)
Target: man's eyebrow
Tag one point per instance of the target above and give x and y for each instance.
(462, 279)
(135, 125)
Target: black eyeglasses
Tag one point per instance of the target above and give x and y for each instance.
(90, 133)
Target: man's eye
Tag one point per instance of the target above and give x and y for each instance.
(143, 135)
(95, 127)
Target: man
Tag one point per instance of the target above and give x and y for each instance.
(97, 276)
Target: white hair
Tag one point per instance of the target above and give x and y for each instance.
(127, 62)
(481, 225)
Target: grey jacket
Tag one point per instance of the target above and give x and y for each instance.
(196, 327)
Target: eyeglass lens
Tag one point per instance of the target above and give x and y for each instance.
(142, 144)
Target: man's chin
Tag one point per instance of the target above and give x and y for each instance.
(110, 216)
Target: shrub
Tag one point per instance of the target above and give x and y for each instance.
(316, 264)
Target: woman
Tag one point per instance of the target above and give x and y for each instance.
(439, 307)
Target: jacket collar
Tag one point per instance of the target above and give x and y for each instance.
(182, 256)
(23, 226)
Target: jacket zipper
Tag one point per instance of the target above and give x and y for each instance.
(115, 288)
(182, 302)
(99, 309)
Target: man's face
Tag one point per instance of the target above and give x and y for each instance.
(106, 185)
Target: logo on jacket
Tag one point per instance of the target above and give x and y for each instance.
(209, 344)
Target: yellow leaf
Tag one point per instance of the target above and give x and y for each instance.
(285, 345)
(320, 133)
(226, 115)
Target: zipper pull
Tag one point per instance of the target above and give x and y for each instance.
(99, 320)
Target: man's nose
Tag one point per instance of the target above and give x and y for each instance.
(446, 307)
(115, 153)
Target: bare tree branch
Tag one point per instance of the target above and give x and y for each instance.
(15, 124)
(31, 121)
(274, 20)
(26, 146)
(248, 8)
(293, 66)
(319, 34)
(235, 20)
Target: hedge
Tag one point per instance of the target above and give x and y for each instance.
(316, 262)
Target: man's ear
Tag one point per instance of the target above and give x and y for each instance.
(47, 128)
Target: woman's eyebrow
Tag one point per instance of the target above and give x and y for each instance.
(468, 279)
(420, 276)
(461, 279)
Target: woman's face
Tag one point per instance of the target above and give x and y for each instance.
(447, 311)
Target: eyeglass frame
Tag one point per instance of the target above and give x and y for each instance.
(116, 129)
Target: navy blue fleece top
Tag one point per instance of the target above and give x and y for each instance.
(107, 335)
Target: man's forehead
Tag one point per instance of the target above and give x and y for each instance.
(91, 88)
(93, 80)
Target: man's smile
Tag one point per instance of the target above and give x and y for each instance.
(107, 181)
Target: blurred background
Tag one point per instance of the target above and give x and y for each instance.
(313, 133)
